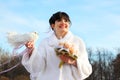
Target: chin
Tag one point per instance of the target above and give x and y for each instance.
(64, 31)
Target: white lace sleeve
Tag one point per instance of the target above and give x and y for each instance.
(84, 68)
(36, 63)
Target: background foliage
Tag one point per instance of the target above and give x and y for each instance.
(105, 64)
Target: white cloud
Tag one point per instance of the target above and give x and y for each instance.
(11, 3)
(114, 36)
(37, 24)
(12, 20)
(110, 2)
(51, 2)
(90, 18)
(111, 40)
(114, 19)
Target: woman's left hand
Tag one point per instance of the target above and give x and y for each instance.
(68, 60)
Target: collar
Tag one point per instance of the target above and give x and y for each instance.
(54, 41)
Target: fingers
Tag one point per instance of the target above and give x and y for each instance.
(64, 58)
(29, 44)
(67, 59)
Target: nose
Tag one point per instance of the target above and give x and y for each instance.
(63, 21)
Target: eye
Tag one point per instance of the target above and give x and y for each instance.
(58, 20)
(65, 20)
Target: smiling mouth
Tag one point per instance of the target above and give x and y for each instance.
(62, 26)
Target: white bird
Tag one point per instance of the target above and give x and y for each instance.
(17, 39)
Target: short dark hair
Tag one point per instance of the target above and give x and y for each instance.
(58, 16)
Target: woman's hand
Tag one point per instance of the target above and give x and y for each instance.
(30, 46)
(68, 60)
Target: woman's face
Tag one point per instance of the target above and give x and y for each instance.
(61, 26)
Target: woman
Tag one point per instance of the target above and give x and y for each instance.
(42, 63)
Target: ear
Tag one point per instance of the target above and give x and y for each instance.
(52, 26)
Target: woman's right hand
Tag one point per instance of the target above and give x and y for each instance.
(30, 46)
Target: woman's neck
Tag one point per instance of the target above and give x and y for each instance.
(60, 35)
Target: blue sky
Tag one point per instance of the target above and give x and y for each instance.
(97, 22)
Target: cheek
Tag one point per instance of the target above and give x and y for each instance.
(55, 29)
(67, 27)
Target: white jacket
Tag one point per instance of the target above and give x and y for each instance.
(43, 63)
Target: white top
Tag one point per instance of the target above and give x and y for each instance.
(43, 63)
